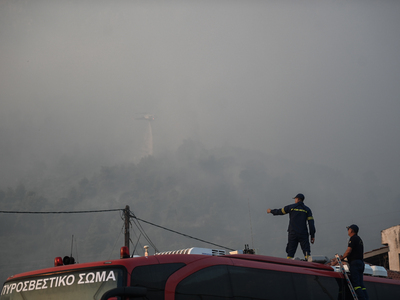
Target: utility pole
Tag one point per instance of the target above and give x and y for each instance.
(127, 215)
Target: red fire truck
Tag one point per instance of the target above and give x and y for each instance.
(194, 273)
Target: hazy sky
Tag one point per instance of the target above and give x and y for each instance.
(315, 81)
(309, 81)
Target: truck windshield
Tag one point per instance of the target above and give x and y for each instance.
(76, 284)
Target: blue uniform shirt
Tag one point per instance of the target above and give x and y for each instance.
(299, 215)
(357, 246)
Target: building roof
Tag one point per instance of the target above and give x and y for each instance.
(381, 250)
(378, 257)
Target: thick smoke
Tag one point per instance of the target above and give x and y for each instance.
(254, 102)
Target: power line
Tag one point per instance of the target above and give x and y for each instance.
(58, 212)
(116, 209)
(142, 231)
(122, 229)
(186, 235)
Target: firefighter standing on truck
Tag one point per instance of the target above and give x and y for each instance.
(299, 215)
(355, 256)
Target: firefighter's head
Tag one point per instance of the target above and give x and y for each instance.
(298, 198)
(352, 229)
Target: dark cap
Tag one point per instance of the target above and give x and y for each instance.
(300, 196)
(354, 227)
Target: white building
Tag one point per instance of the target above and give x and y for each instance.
(389, 255)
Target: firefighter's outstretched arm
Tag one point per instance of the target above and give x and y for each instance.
(275, 212)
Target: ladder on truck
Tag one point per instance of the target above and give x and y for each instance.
(353, 292)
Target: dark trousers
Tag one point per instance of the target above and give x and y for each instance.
(357, 278)
(294, 240)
